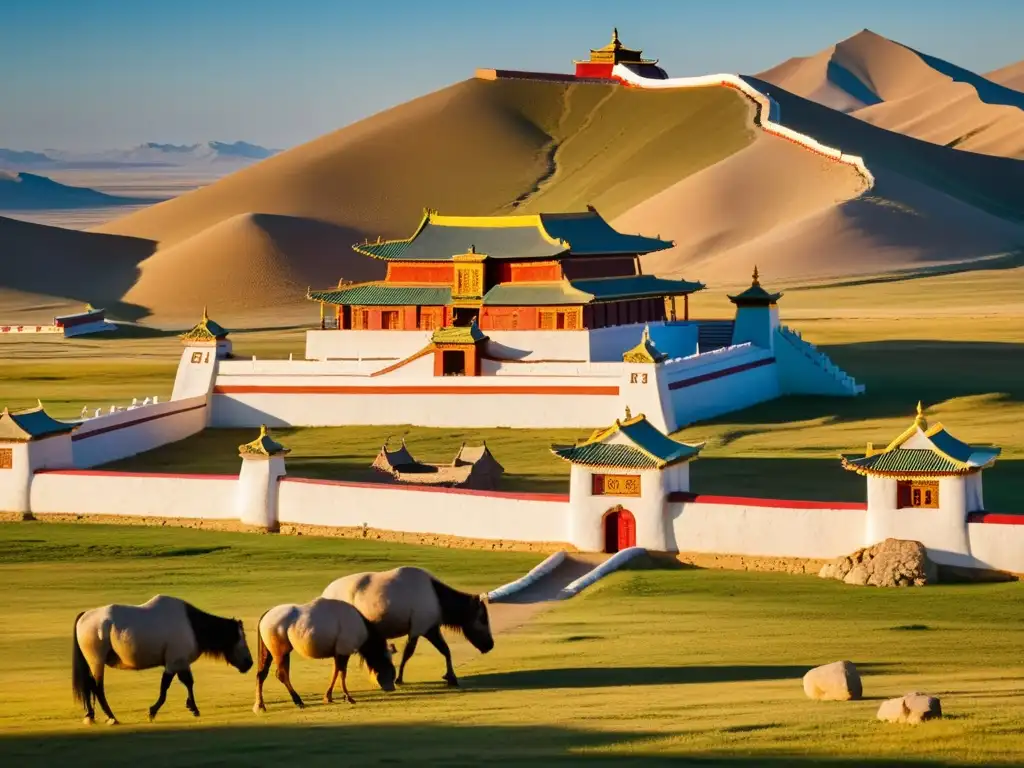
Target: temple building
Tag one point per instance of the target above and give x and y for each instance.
(603, 60)
(548, 271)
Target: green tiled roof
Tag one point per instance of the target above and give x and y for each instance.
(385, 295)
(458, 335)
(755, 294)
(907, 460)
(601, 455)
(651, 448)
(586, 291)
(31, 424)
(536, 236)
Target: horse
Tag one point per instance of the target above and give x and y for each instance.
(163, 632)
(410, 601)
(320, 629)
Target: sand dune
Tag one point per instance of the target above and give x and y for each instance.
(1011, 76)
(897, 88)
(41, 264)
(29, 192)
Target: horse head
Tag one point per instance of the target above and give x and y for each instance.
(238, 656)
(377, 654)
(477, 626)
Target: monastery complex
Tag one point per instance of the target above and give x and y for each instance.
(523, 321)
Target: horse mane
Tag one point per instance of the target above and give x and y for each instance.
(374, 650)
(215, 636)
(457, 608)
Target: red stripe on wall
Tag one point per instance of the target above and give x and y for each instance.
(986, 517)
(742, 501)
(246, 389)
(105, 473)
(133, 423)
(553, 497)
(719, 374)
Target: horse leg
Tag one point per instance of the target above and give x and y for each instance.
(261, 674)
(407, 652)
(101, 697)
(165, 683)
(284, 675)
(341, 664)
(185, 676)
(329, 696)
(437, 640)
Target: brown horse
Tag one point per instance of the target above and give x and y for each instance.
(410, 601)
(320, 629)
(164, 632)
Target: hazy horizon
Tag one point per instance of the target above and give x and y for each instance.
(111, 74)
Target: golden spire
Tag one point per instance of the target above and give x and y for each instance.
(919, 419)
(615, 36)
(263, 430)
(756, 281)
(628, 416)
(206, 317)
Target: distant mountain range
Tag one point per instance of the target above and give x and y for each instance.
(30, 192)
(148, 155)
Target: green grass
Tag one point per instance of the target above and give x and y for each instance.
(702, 667)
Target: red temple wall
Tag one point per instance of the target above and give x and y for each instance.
(409, 272)
(588, 69)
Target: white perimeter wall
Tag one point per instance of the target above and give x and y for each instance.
(374, 345)
(127, 433)
(706, 398)
(87, 492)
(996, 546)
(743, 527)
(449, 512)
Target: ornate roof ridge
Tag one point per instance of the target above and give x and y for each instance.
(263, 445)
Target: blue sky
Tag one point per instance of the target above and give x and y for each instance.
(88, 74)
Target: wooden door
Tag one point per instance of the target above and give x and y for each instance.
(619, 530)
(627, 530)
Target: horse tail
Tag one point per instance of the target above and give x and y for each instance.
(81, 676)
(261, 647)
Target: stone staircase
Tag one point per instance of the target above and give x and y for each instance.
(713, 334)
(843, 381)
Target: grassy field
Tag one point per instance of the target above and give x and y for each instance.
(701, 667)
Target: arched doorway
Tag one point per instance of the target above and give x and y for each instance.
(619, 529)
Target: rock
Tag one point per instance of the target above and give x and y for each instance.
(838, 681)
(913, 708)
(891, 563)
(857, 576)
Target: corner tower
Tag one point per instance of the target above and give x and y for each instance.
(757, 315)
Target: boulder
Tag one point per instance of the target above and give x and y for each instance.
(891, 563)
(913, 708)
(838, 681)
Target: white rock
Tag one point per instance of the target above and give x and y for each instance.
(913, 708)
(838, 681)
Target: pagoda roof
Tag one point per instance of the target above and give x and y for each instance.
(645, 351)
(264, 445)
(383, 294)
(533, 236)
(205, 330)
(630, 443)
(755, 295)
(922, 450)
(616, 52)
(586, 291)
(470, 334)
(26, 424)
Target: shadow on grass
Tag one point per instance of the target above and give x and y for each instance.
(612, 677)
(373, 744)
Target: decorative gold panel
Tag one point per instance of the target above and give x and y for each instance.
(6, 458)
(616, 485)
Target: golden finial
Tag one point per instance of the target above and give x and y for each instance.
(206, 317)
(628, 415)
(615, 34)
(39, 403)
(919, 420)
(263, 430)
(88, 307)
(756, 280)
(472, 248)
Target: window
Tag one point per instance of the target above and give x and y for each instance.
(389, 319)
(360, 319)
(547, 320)
(6, 458)
(453, 362)
(615, 485)
(426, 319)
(914, 494)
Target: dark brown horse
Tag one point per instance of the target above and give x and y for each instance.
(410, 601)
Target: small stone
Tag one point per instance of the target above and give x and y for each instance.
(838, 681)
(914, 708)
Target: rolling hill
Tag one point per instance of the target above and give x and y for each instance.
(27, 191)
(897, 88)
(1011, 76)
(689, 164)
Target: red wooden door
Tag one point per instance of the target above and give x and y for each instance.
(627, 530)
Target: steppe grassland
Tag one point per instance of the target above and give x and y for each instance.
(702, 666)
